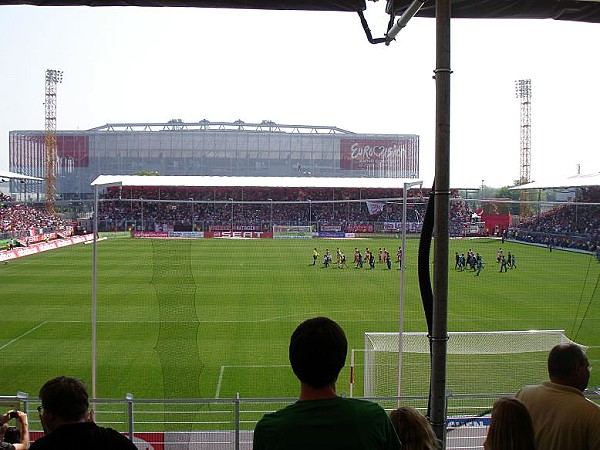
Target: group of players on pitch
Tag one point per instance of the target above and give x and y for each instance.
(473, 261)
(366, 258)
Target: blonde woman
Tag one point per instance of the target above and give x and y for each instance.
(511, 427)
(413, 429)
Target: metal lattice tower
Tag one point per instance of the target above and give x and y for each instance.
(523, 91)
(53, 77)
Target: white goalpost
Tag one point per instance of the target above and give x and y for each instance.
(491, 362)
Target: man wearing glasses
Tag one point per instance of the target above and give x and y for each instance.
(67, 425)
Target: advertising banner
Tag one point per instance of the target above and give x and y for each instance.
(331, 228)
(235, 227)
(396, 227)
(239, 234)
(331, 235)
(150, 234)
(397, 157)
(360, 228)
(167, 234)
(19, 252)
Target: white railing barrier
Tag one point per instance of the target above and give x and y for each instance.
(227, 423)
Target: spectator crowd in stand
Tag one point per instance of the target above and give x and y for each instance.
(18, 219)
(200, 208)
(573, 226)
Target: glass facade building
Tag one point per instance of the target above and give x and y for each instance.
(208, 149)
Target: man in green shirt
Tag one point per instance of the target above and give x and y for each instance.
(320, 419)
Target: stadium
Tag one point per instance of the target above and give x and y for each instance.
(195, 283)
(173, 292)
(264, 149)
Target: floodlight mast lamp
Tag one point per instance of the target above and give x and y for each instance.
(53, 78)
(523, 93)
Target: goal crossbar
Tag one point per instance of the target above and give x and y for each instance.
(497, 360)
(470, 342)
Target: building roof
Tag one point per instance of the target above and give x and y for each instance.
(290, 182)
(564, 182)
(7, 175)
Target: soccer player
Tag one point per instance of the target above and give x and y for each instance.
(479, 263)
(343, 264)
(326, 258)
(359, 265)
(315, 256)
(503, 264)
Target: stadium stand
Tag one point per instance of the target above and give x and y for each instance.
(19, 220)
(569, 226)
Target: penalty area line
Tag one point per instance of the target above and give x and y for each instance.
(250, 366)
(31, 330)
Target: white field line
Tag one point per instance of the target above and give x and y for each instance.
(23, 335)
(222, 372)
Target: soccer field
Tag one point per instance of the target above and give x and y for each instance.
(212, 317)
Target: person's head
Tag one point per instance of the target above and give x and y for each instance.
(413, 429)
(317, 351)
(64, 400)
(568, 365)
(511, 427)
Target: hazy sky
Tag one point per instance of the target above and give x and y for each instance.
(311, 68)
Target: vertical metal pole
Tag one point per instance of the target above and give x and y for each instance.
(441, 221)
(351, 390)
(129, 398)
(94, 292)
(24, 399)
(237, 421)
(192, 210)
(407, 186)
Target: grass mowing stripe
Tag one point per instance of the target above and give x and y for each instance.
(250, 295)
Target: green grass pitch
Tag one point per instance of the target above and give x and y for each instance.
(210, 317)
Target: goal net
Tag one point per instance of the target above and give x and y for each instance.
(491, 362)
(292, 232)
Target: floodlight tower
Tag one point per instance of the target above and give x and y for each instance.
(53, 77)
(523, 92)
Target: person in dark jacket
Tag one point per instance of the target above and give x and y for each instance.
(65, 416)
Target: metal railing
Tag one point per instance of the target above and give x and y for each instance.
(228, 423)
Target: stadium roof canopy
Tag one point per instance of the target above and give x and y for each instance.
(6, 175)
(315, 5)
(288, 182)
(572, 181)
(574, 10)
